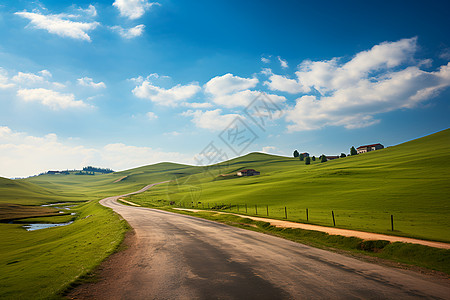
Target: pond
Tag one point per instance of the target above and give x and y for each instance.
(31, 227)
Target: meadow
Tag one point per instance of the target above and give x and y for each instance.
(409, 181)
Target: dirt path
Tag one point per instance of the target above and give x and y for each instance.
(337, 231)
(175, 256)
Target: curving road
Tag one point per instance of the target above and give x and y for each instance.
(182, 257)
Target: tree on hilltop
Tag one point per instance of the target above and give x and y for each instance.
(323, 158)
(301, 156)
(307, 160)
(296, 154)
(353, 151)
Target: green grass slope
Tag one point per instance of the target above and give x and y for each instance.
(409, 181)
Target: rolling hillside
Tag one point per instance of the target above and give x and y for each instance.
(409, 181)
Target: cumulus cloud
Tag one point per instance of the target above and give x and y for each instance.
(60, 24)
(234, 91)
(133, 9)
(283, 63)
(151, 115)
(284, 84)
(228, 83)
(24, 155)
(89, 82)
(265, 60)
(355, 107)
(168, 97)
(212, 120)
(129, 33)
(350, 94)
(50, 98)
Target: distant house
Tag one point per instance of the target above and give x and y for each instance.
(53, 172)
(367, 148)
(305, 154)
(331, 157)
(247, 172)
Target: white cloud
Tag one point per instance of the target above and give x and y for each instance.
(133, 9)
(91, 11)
(356, 106)
(130, 32)
(198, 104)
(172, 133)
(283, 63)
(227, 84)
(23, 155)
(168, 97)
(4, 80)
(89, 82)
(265, 60)
(60, 24)
(243, 98)
(284, 84)
(326, 76)
(151, 115)
(210, 119)
(50, 98)
(379, 80)
(28, 78)
(269, 149)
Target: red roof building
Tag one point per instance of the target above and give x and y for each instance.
(367, 148)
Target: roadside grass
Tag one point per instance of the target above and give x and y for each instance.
(42, 264)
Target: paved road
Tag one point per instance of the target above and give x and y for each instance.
(182, 257)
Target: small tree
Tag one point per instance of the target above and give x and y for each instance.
(343, 155)
(353, 151)
(313, 158)
(307, 160)
(302, 157)
(324, 158)
(295, 153)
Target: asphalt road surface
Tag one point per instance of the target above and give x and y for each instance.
(182, 257)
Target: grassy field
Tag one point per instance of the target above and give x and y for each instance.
(43, 263)
(409, 181)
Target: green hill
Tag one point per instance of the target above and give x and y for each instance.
(409, 181)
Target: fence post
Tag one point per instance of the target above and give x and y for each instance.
(245, 207)
(267, 206)
(230, 206)
(237, 206)
(285, 212)
(307, 217)
(392, 222)
(208, 205)
(334, 222)
(256, 209)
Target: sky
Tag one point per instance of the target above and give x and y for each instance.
(125, 83)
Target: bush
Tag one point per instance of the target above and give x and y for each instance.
(307, 161)
(323, 158)
(301, 157)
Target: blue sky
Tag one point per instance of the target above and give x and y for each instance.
(126, 83)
